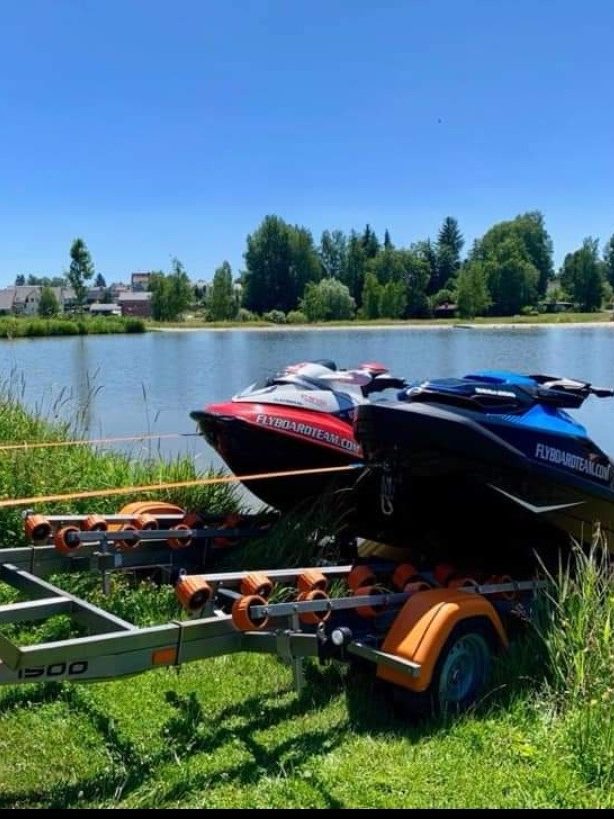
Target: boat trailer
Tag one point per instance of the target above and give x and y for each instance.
(430, 633)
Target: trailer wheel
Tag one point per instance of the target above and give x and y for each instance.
(463, 667)
(460, 674)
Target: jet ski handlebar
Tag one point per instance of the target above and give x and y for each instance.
(577, 391)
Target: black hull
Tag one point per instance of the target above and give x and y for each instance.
(249, 450)
(454, 488)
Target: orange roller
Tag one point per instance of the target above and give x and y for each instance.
(256, 583)
(157, 508)
(125, 545)
(402, 575)
(443, 572)
(67, 540)
(145, 521)
(179, 542)
(193, 520)
(241, 616)
(361, 575)
(416, 586)
(94, 523)
(462, 582)
(373, 609)
(193, 592)
(312, 579)
(312, 618)
(230, 522)
(37, 527)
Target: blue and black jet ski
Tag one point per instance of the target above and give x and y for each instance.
(491, 462)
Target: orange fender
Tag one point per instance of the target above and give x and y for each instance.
(422, 627)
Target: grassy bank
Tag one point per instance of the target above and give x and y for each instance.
(231, 732)
(540, 319)
(26, 327)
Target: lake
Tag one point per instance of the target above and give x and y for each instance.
(128, 385)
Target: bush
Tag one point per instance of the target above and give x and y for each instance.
(296, 317)
(275, 316)
(246, 315)
(25, 327)
(327, 300)
(528, 310)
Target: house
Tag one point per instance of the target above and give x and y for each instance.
(26, 299)
(139, 282)
(445, 310)
(135, 304)
(7, 296)
(100, 309)
(557, 306)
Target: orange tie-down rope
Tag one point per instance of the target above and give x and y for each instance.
(128, 490)
(90, 441)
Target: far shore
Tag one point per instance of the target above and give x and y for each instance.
(375, 326)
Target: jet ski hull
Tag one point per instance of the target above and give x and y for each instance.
(257, 439)
(481, 481)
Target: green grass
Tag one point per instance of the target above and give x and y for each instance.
(231, 732)
(33, 327)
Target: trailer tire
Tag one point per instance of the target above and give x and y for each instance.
(461, 672)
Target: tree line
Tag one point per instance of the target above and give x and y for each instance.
(509, 270)
(288, 277)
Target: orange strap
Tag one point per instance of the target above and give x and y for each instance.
(89, 441)
(128, 490)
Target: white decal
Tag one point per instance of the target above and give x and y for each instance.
(571, 461)
(538, 510)
(308, 431)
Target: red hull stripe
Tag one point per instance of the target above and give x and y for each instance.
(303, 425)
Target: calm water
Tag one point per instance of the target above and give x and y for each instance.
(149, 383)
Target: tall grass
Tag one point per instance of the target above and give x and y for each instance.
(577, 634)
(30, 472)
(12, 327)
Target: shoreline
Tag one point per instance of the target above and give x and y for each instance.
(524, 325)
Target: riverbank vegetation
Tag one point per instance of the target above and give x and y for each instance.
(69, 325)
(288, 278)
(231, 732)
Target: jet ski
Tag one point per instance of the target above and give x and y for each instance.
(301, 418)
(490, 466)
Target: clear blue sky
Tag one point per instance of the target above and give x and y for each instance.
(155, 128)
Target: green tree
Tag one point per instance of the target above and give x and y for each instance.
(355, 267)
(333, 253)
(371, 296)
(393, 301)
(415, 264)
(582, 275)
(20, 280)
(327, 300)
(221, 302)
(280, 260)
(473, 298)
(369, 242)
(512, 279)
(529, 230)
(608, 259)
(305, 264)
(100, 281)
(451, 238)
(171, 294)
(48, 305)
(450, 242)
(81, 270)
(387, 241)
